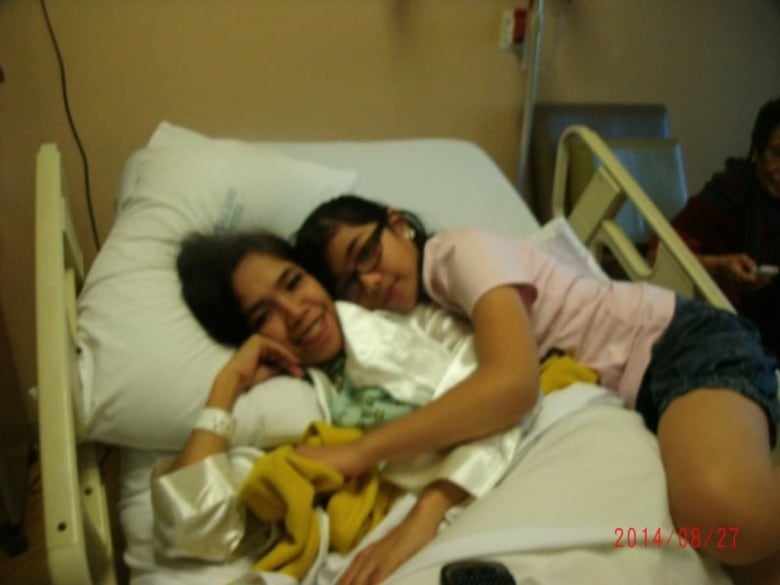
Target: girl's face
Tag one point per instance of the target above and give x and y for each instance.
(376, 264)
(768, 165)
(283, 302)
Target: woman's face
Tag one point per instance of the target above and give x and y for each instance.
(376, 264)
(283, 302)
(768, 165)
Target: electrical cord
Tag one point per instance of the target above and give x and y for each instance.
(71, 123)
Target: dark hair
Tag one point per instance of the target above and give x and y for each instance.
(321, 224)
(206, 264)
(767, 120)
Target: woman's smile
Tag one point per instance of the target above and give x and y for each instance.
(285, 303)
(315, 332)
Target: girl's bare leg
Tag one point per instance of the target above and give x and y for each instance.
(715, 450)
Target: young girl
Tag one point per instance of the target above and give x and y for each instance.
(697, 375)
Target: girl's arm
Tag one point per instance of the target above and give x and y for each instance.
(502, 389)
(378, 560)
(255, 361)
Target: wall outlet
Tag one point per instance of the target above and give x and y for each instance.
(513, 22)
(507, 29)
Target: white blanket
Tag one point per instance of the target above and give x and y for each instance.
(556, 518)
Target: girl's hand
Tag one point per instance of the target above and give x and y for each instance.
(260, 358)
(378, 560)
(375, 563)
(347, 458)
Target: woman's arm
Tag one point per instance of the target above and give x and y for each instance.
(255, 361)
(201, 443)
(172, 486)
(378, 560)
(502, 389)
(739, 268)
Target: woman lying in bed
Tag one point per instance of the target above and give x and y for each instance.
(246, 291)
(698, 376)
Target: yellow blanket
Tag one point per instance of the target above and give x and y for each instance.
(282, 487)
(558, 369)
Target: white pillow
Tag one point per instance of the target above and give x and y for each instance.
(146, 363)
(558, 238)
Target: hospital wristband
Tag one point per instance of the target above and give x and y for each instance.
(217, 421)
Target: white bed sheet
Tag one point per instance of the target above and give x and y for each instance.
(594, 472)
(601, 469)
(422, 175)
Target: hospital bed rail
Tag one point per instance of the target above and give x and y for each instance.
(77, 528)
(592, 218)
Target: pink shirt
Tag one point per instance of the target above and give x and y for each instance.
(609, 326)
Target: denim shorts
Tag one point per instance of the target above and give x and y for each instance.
(705, 347)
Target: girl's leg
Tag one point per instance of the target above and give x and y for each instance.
(715, 450)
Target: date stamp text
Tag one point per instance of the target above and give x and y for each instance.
(722, 537)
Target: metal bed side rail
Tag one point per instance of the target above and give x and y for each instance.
(592, 219)
(77, 528)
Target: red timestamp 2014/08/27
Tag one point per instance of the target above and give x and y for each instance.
(721, 537)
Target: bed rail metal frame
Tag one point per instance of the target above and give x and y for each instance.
(77, 527)
(592, 219)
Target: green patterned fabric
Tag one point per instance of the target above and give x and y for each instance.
(363, 407)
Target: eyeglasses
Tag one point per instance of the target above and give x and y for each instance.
(366, 260)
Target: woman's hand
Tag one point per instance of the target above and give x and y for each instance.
(255, 361)
(378, 560)
(738, 268)
(349, 459)
(260, 358)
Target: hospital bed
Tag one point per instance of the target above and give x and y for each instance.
(592, 475)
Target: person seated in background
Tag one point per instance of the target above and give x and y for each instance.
(733, 226)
